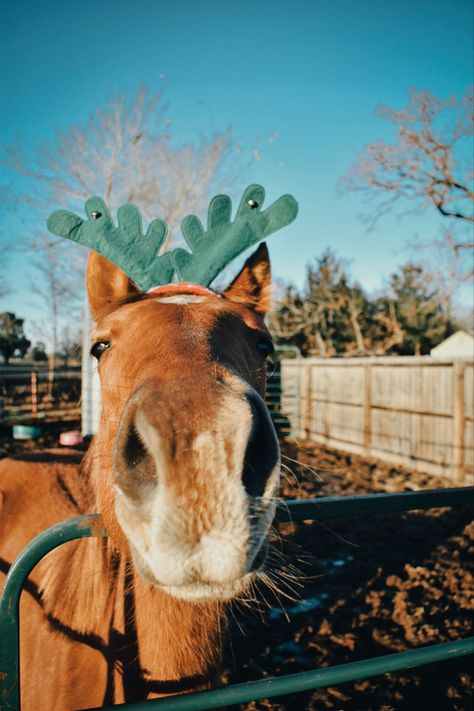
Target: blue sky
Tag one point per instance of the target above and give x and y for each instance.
(313, 71)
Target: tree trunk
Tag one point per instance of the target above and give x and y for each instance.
(321, 344)
(357, 331)
(54, 333)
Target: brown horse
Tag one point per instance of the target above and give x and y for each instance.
(184, 470)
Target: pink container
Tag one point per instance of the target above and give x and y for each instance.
(71, 439)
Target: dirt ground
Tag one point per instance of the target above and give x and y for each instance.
(357, 588)
(371, 586)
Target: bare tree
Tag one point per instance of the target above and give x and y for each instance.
(292, 316)
(448, 266)
(3, 281)
(428, 164)
(58, 287)
(5, 252)
(388, 333)
(70, 344)
(123, 152)
(355, 306)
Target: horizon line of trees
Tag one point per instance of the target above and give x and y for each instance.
(332, 315)
(15, 344)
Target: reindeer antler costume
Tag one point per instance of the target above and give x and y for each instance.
(136, 253)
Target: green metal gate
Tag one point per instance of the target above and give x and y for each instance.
(295, 510)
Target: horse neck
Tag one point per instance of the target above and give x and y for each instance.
(94, 589)
(176, 640)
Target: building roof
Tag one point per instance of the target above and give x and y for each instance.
(458, 345)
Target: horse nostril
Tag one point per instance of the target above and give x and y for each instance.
(134, 466)
(262, 454)
(134, 451)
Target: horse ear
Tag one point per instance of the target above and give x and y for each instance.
(106, 285)
(252, 285)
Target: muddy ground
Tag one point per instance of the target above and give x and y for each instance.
(363, 587)
(371, 586)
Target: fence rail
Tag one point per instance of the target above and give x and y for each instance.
(313, 509)
(305, 681)
(413, 411)
(30, 392)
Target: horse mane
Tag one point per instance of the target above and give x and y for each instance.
(78, 578)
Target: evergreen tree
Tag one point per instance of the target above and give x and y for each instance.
(334, 316)
(419, 310)
(342, 306)
(323, 293)
(12, 338)
(38, 352)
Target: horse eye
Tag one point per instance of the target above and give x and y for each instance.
(98, 348)
(265, 347)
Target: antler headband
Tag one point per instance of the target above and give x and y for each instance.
(136, 253)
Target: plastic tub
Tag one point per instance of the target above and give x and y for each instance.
(26, 431)
(71, 439)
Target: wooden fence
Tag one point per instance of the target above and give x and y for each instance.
(414, 411)
(29, 391)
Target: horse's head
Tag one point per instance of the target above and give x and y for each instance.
(189, 453)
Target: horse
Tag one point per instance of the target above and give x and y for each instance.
(184, 470)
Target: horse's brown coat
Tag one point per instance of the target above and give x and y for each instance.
(93, 630)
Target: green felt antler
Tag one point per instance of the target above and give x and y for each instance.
(126, 246)
(225, 240)
(137, 254)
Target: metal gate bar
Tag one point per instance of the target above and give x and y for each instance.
(361, 505)
(78, 527)
(295, 510)
(305, 681)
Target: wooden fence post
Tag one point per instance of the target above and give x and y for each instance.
(458, 421)
(34, 393)
(308, 420)
(367, 407)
